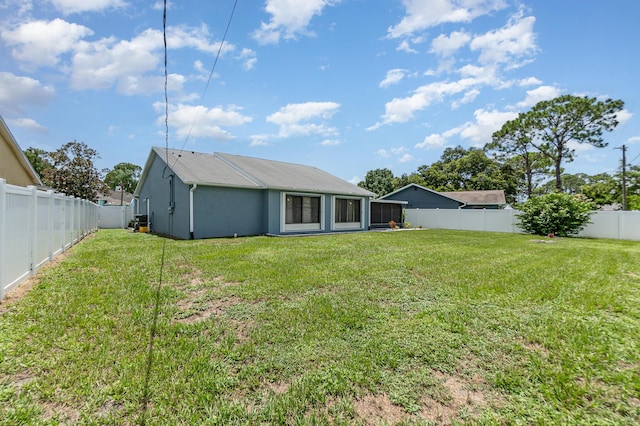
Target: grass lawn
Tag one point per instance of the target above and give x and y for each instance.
(407, 327)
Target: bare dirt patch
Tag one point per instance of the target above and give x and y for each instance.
(376, 409)
(460, 397)
(60, 412)
(195, 311)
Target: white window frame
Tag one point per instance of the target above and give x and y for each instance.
(300, 227)
(347, 225)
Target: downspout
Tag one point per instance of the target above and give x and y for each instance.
(191, 191)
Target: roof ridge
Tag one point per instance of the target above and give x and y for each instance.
(238, 169)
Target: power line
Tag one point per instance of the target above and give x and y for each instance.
(215, 62)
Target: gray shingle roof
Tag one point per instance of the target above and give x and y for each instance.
(486, 197)
(220, 169)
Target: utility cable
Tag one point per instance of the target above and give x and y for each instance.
(206, 87)
(156, 304)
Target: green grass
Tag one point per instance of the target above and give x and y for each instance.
(416, 327)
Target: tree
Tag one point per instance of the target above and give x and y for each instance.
(73, 171)
(553, 125)
(602, 189)
(513, 144)
(559, 214)
(406, 179)
(125, 175)
(38, 159)
(470, 169)
(379, 181)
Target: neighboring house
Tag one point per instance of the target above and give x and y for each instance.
(487, 199)
(115, 198)
(419, 197)
(14, 166)
(193, 195)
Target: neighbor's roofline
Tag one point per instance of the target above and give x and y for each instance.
(423, 188)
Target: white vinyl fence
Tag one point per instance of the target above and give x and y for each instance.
(114, 217)
(621, 225)
(35, 227)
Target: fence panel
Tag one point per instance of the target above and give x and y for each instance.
(621, 225)
(36, 226)
(115, 217)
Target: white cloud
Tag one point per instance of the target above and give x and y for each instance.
(530, 81)
(405, 158)
(433, 141)
(17, 91)
(446, 45)
(126, 64)
(423, 14)
(77, 6)
(401, 110)
(508, 44)
(486, 123)
(293, 119)
(468, 97)
(248, 58)
(623, 116)
(330, 142)
(202, 122)
(355, 180)
(288, 19)
(40, 43)
(404, 46)
(633, 139)
(27, 123)
(259, 140)
(393, 76)
(542, 93)
(383, 153)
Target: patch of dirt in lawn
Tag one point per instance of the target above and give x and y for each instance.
(458, 399)
(110, 406)
(377, 409)
(194, 311)
(60, 412)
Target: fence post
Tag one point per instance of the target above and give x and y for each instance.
(3, 233)
(63, 222)
(33, 228)
(50, 228)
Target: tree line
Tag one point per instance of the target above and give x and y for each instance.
(526, 157)
(71, 169)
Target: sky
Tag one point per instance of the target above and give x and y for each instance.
(347, 86)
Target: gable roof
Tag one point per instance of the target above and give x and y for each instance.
(23, 174)
(443, 194)
(479, 198)
(219, 169)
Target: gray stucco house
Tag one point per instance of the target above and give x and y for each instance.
(193, 195)
(419, 197)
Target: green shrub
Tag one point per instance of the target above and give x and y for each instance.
(558, 214)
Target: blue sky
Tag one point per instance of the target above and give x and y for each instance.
(344, 85)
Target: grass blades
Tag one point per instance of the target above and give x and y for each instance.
(407, 327)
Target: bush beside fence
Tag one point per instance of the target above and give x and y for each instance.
(620, 225)
(35, 227)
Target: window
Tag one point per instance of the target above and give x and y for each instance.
(347, 210)
(302, 209)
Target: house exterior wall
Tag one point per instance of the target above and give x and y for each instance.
(275, 222)
(228, 212)
(160, 189)
(11, 169)
(418, 198)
